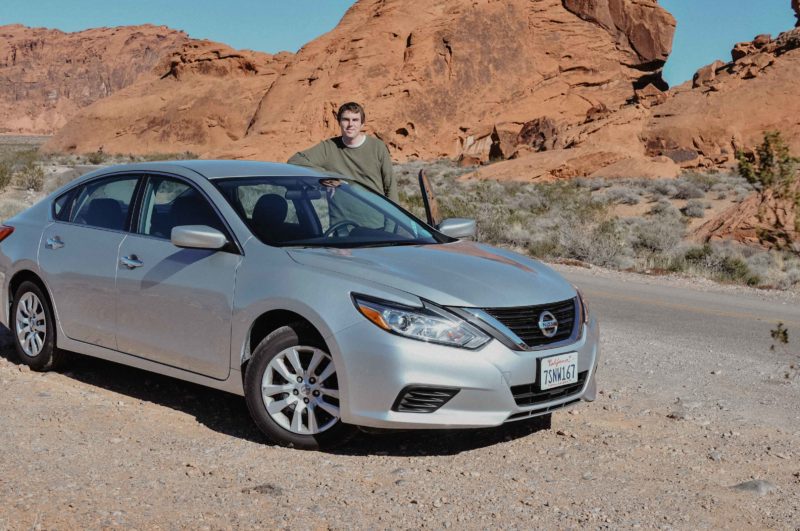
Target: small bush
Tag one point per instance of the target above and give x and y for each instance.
(6, 173)
(694, 209)
(770, 166)
(687, 190)
(96, 158)
(622, 196)
(31, 178)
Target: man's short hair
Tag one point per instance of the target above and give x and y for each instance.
(351, 106)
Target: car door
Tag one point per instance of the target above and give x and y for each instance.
(174, 304)
(78, 256)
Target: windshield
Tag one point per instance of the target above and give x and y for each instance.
(322, 212)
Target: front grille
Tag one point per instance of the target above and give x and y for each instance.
(530, 395)
(524, 321)
(418, 399)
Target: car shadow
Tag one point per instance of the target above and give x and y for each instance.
(227, 413)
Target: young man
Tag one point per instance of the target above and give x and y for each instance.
(363, 158)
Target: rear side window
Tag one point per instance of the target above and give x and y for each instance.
(61, 206)
(104, 204)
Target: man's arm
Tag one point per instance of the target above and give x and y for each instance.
(313, 157)
(387, 176)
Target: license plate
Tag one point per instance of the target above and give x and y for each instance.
(556, 371)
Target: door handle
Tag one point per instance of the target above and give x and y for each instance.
(131, 262)
(54, 243)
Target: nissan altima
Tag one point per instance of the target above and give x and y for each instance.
(324, 304)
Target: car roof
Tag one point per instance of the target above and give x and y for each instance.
(216, 169)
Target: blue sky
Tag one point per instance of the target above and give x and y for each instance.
(707, 29)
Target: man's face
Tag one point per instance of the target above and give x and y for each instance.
(351, 125)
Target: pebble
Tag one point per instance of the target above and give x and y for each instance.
(757, 486)
(715, 456)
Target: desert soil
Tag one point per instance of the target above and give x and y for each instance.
(105, 446)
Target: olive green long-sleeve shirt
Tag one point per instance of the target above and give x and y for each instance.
(369, 164)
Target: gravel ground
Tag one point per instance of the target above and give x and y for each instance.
(106, 446)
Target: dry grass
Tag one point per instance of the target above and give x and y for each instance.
(637, 224)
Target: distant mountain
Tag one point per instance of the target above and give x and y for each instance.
(47, 76)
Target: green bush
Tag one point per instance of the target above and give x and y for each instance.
(770, 165)
(96, 158)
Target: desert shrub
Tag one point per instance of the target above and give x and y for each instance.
(10, 208)
(664, 208)
(6, 173)
(662, 188)
(96, 158)
(695, 208)
(720, 263)
(658, 235)
(152, 157)
(770, 165)
(622, 196)
(703, 181)
(30, 178)
(687, 190)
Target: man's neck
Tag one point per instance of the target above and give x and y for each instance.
(356, 142)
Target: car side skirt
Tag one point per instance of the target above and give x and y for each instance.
(232, 384)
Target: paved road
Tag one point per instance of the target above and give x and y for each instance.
(696, 341)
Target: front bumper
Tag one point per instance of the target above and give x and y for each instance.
(373, 367)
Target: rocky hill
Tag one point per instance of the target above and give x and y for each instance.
(543, 89)
(47, 76)
(440, 79)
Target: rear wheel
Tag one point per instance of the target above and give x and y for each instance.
(34, 329)
(292, 391)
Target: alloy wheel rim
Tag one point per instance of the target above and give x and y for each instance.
(31, 324)
(300, 390)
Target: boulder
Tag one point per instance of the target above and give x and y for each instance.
(706, 75)
(540, 134)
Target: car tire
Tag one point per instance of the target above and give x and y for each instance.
(292, 392)
(34, 329)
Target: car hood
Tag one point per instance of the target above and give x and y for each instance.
(454, 274)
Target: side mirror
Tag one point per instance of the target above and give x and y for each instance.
(198, 237)
(458, 227)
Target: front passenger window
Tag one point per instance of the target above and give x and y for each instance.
(170, 203)
(104, 204)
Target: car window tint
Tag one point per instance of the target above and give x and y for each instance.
(170, 203)
(105, 203)
(249, 196)
(61, 207)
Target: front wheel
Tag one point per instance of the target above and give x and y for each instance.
(292, 391)
(34, 329)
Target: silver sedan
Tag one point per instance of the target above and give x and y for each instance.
(324, 304)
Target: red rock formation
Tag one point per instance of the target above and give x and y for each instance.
(200, 97)
(764, 219)
(46, 76)
(703, 125)
(796, 7)
(438, 78)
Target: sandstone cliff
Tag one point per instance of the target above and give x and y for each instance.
(47, 76)
(200, 97)
(439, 79)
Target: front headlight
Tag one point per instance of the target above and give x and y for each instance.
(429, 323)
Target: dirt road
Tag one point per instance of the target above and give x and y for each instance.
(683, 419)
